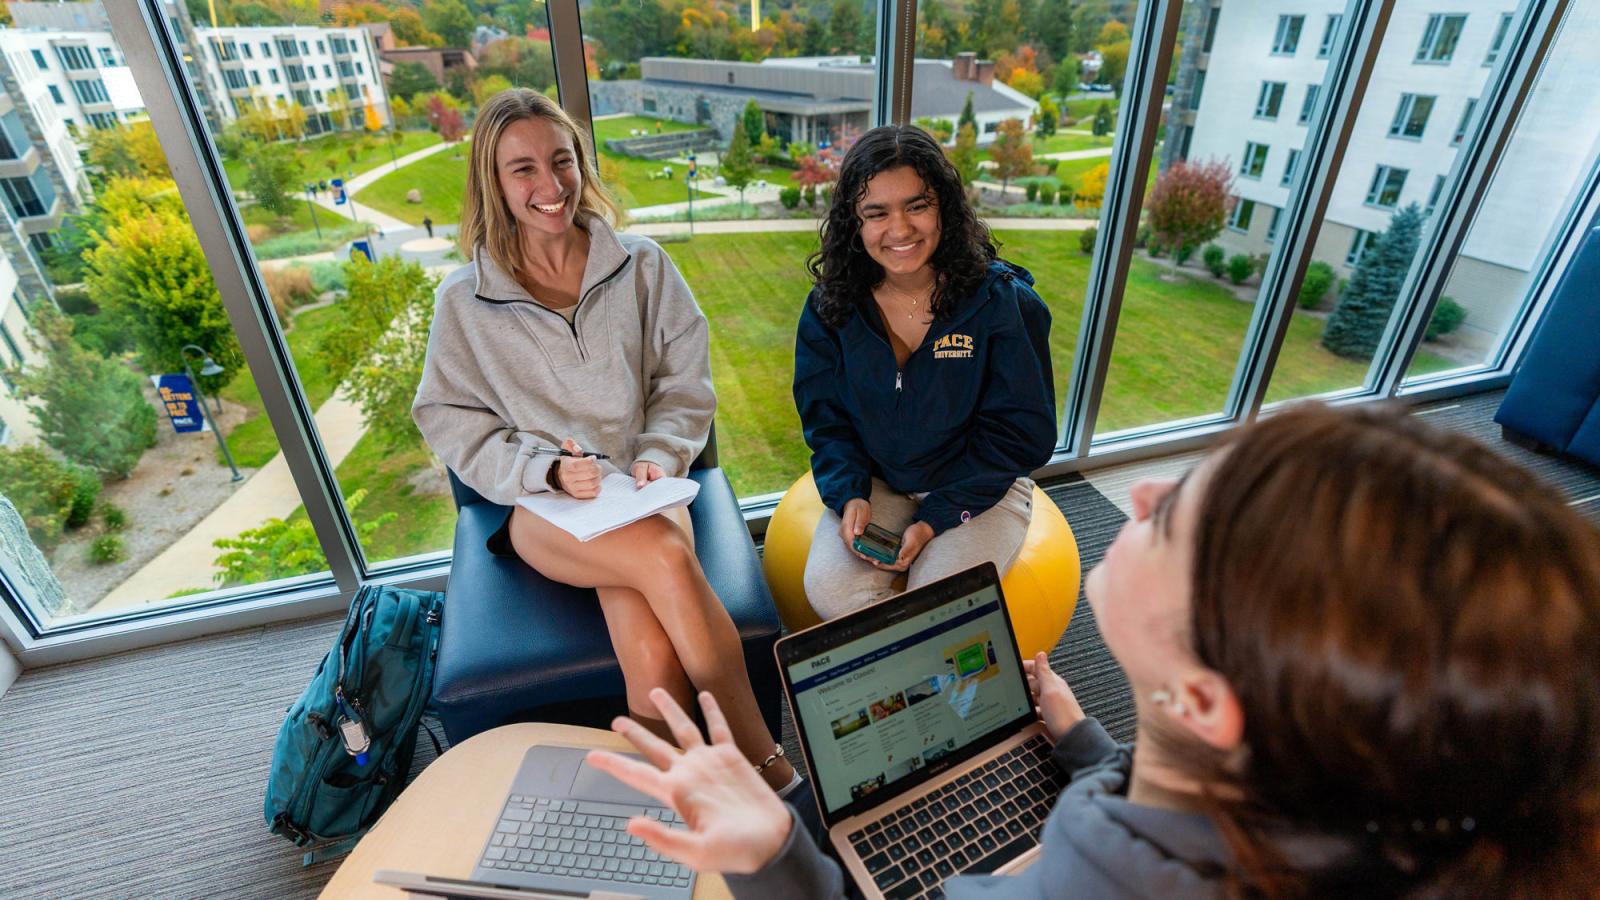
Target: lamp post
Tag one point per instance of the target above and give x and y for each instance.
(311, 190)
(208, 367)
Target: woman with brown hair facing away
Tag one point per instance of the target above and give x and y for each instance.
(1366, 659)
(562, 333)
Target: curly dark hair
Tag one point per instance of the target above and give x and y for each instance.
(845, 275)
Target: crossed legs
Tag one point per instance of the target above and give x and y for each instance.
(667, 626)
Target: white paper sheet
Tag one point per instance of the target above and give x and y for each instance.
(619, 503)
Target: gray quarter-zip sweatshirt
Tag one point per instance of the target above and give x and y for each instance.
(630, 377)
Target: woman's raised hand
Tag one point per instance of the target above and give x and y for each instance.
(1053, 700)
(579, 475)
(735, 822)
(857, 513)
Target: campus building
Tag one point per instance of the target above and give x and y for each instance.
(332, 73)
(1247, 93)
(809, 98)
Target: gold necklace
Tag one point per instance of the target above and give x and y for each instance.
(915, 301)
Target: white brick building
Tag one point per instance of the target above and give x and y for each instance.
(314, 67)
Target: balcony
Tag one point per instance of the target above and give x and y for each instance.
(49, 220)
(22, 166)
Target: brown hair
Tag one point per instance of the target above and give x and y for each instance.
(1411, 624)
(486, 220)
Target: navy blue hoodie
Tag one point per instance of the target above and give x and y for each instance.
(972, 411)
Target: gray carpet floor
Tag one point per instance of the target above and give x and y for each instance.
(141, 775)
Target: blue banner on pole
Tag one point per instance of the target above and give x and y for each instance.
(177, 396)
(362, 248)
(339, 198)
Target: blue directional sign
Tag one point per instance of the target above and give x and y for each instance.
(177, 397)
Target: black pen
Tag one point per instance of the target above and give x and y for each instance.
(562, 451)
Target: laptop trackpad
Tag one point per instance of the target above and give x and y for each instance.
(592, 784)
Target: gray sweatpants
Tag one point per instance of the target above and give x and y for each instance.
(837, 581)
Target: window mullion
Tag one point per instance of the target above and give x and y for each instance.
(1510, 85)
(148, 47)
(896, 49)
(572, 74)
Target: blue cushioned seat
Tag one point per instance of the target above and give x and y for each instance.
(1554, 398)
(516, 646)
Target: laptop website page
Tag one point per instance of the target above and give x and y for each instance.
(883, 707)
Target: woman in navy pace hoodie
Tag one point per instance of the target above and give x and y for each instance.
(922, 377)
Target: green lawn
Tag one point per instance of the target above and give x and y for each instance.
(1177, 343)
(425, 522)
(609, 129)
(442, 179)
(252, 441)
(313, 154)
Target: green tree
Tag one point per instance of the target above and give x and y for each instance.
(738, 166)
(1050, 26)
(964, 156)
(1356, 325)
(1065, 80)
(450, 20)
(378, 341)
(629, 30)
(90, 409)
(49, 493)
(844, 26)
(1049, 117)
(755, 124)
(967, 118)
(128, 151)
(1012, 152)
(409, 79)
(279, 549)
(522, 61)
(486, 88)
(147, 269)
(1102, 120)
(273, 177)
(1114, 64)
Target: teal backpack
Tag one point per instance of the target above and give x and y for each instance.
(345, 751)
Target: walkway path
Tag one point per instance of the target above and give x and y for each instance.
(357, 212)
(749, 226)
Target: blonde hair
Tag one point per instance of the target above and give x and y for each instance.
(486, 220)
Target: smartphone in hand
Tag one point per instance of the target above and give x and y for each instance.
(879, 544)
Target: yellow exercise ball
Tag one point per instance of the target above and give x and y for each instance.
(1041, 588)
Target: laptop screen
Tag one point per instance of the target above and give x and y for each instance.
(909, 697)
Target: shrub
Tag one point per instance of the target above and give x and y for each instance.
(1032, 190)
(1066, 195)
(1314, 286)
(327, 276)
(1240, 268)
(101, 334)
(1086, 239)
(789, 197)
(1184, 254)
(1215, 259)
(282, 549)
(1141, 238)
(107, 549)
(1047, 194)
(289, 285)
(1156, 249)
(1447, 317)
(43, 488)
(84, 493)
(810, 194)
(113, 516)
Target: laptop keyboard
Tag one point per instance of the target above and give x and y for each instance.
(580, 839)
(977, 823)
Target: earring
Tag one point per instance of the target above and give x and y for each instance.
(1163, 697)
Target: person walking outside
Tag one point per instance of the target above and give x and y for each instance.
(428, 224)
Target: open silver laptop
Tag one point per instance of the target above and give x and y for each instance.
(920, 737)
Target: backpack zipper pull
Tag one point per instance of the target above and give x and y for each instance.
(897, 375)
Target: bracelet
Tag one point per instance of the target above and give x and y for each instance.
(777, 754)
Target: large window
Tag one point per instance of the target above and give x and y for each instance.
(98, 229)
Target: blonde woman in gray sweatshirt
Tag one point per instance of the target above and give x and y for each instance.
(562, 333)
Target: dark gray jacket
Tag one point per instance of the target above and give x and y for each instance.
(1095, 843)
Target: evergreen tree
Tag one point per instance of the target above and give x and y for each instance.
(272, 178)
(1102, 120)
(1049, 117)
(967, 116)
(738, 166)
(1065, 80)
(755, 124)
(1357, 323)
(90, 409)
(964, 156)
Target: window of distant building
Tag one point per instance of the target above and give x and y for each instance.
(1255, 160)
(1466, 119)
(1387, 182)
(107, 58)
(1309, 104)
(38, 60)
(1199, 85)
(1288, 168)
(1358, 247)
(1330, 32)
(1272, 226)
(1500, 31)
(1411, 116)
(1433, 195)
(55, 94)
(1287, 38)
(1212, 14)
(1239, 219)
(1270, 100)
(1440, 37)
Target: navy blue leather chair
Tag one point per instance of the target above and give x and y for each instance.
(1554, 398)
(518, 647)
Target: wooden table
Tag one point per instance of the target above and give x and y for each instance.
(440, 822)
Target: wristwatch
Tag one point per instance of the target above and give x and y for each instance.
(552, 476)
